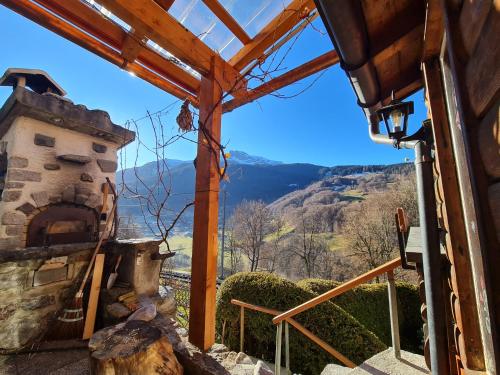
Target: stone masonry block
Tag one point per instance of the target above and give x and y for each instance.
(52, 166)
(68, 194)
(27, 208)
(14, 230)
(14, 185)
(23, 175)
(11, 195)
(107, 166)
(41, 198)
(17, 162)
(44, 140)
(13, 218)
(101, 149)
(86, 177)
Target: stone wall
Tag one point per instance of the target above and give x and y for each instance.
(26, 310)
(49, 165)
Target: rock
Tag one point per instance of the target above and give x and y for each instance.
(218, 348)
(52, 166)
(41, 198)
(261, 368)
(13, 218)
(146, 312)
(76, 159)
(37, 302)
(101, 149)
(107, 166)
(11, 195)
(17, 162)
(86, 177)
(23, 175)
(243, 359)
(44, 140)
(118, 310)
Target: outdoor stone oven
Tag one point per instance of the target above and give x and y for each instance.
(55, 157)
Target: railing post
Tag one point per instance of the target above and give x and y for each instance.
(242, 327)
(287, 348)
(393, 309)
(277, 357)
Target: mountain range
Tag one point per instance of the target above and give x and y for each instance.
(249, 178)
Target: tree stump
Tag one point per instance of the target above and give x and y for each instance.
(132, 348)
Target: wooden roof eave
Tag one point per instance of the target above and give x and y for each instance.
(48, 20)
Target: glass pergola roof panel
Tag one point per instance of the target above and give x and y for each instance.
(251, 15)
(254, 15)
(200, 20)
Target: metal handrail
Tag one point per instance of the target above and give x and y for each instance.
(299, 327)
(345, 287)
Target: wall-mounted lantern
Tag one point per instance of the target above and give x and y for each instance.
(395, 117)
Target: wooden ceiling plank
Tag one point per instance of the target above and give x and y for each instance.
(46, 19)
(96, 24)
(272, 32)
(322, 62)
(167, 32)
(228, 20)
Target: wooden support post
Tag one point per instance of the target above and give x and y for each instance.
(206, 210)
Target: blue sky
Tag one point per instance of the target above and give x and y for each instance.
(323, 125)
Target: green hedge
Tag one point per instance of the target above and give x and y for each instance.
(328, 321)
(369, 304)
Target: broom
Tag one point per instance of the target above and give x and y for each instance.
(70, 323)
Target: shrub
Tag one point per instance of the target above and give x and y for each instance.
(369, 304)
(328, 321)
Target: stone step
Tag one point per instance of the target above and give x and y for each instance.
(384, 363)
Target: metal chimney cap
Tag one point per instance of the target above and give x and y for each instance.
(36, 79)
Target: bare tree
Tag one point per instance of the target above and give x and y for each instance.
(273, 247)
(251, 222)
(369, 228)
(307, 243)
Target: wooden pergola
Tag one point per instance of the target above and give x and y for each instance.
(161, 50)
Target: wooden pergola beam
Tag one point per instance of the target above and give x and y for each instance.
(206, 213)
(228, 20)
(160, 27)
(272, 32)
(165, 4)
(316, 65)
(46, 19)
(96, 24)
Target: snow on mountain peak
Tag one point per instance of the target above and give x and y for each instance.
(240, 157)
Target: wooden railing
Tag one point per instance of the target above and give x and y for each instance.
(287, 316)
